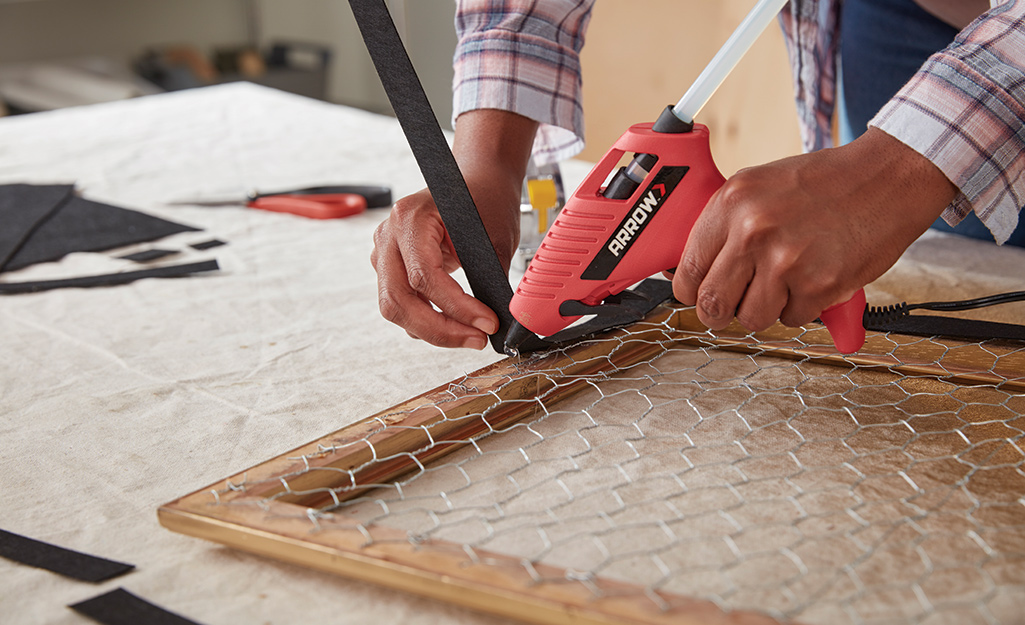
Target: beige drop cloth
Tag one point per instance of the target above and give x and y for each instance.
(114, 401)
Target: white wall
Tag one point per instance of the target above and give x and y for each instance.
(122, 29)
(330, 23)
(57, 29)
(426, 25)
(431, 39)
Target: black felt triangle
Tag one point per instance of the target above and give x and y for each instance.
(76, 225)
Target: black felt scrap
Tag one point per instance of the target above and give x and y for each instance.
(205, 245)
(109, 279)
(59, 560)
(146, 256)
(120, 607)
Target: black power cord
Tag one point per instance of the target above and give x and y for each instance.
(897, 318)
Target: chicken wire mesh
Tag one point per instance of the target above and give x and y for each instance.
(885, 490)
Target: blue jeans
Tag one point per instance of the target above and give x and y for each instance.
(882, 45)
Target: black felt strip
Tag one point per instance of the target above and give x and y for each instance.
(953, 327)
(23, 209)
(82, 225)
(146, 256)
(205, 245)
(488, 281)
(59, 560)
(111, 279)
(120, 607)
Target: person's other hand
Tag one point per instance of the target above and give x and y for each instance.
(413, 255)
(788, 239)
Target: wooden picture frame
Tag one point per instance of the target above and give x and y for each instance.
(271, 509)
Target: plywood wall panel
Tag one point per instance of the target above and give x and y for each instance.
(644, 54)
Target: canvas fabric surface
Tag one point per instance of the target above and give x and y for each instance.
(117, 400)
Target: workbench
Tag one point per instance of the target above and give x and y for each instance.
(116, 400)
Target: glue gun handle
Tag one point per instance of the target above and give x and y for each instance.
(844, 322)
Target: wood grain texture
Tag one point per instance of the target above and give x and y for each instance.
(495, 583)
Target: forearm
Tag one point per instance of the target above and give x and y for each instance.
(901, 191)
(514, 68)
(492, 148)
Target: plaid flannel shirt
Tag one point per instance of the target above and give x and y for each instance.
(964, 110)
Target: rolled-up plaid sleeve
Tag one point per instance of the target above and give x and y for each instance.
(965, 111)
(523, 56)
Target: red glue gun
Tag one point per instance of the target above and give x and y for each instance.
(606, 240)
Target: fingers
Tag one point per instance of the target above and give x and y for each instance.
(726, 271)
(415, 312)
(720, 292)
(762, 303)
(733, 288)
(412, 258)
(703, 277)
(703, 245)
(803, 310)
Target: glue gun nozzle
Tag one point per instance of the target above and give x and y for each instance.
(515, 338)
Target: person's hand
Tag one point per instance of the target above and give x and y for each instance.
(413, 255)
(788, 239)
